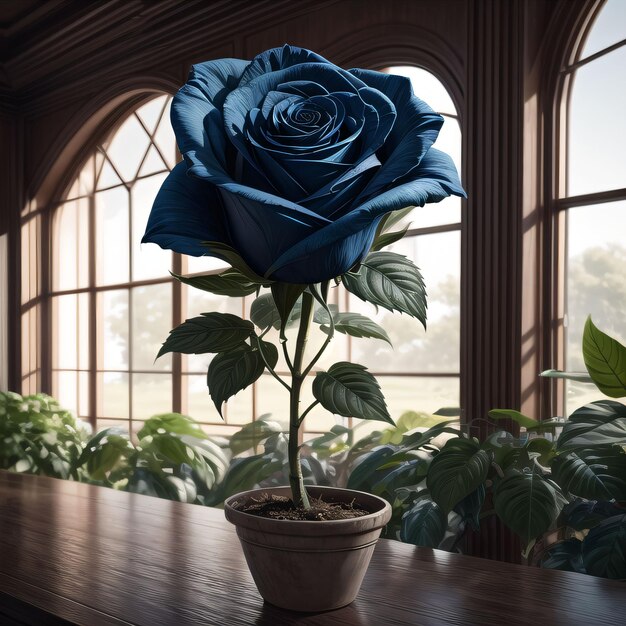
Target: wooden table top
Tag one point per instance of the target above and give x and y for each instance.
(88, 555)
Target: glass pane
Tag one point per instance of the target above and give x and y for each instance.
(65, 316)
(65, 390)
(608, 28)
(153, 163)
(595, 282)
(83, 395)
(272, 398)
(199, 404)
(203, 264)
(86, 178)
(437, 350)
(165, 139)
(71, 243)
(112, 395)
(84, 319)
(128, 147)
(151, 324)
(427, 87)
(101, 424)
(113, 329)
(152, 395)
(150, 113)
(148, 261)
(112, 222)
(597, 126)
(420, 394)
(107, 176)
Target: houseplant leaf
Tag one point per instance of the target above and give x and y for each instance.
(470, 506)
(263, 312)
(230, 372)
(598, 423)
(425, 524)
(457, 471)
(526, 503)
(604, 548)
(516, 416)
(391, 281)
(349, 390)
(566, 556)
(229, 283)
(210, 332)
(605, 359)
(174, 423)
(357, 325)
(251, 435)
(580, 377)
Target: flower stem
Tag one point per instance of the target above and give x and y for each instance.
(296, 480)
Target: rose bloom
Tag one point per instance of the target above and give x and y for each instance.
(293, 161)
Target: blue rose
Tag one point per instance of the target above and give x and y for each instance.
(293, 161)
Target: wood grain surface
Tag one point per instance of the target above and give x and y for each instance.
(74, 553)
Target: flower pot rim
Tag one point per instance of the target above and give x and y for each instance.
(374, 519)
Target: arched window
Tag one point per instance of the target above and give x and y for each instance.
(113, 301)
(592, 191)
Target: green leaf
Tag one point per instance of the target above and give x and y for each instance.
(504, 448)
(366, 469)
(581, 377)
(543, 447)
(547, 425)
(285, 297)
(585, 514)
(604, 549)
(357, 325)
(392, 218)
(321, 315)
(229, 283)
(174, 423)
(406, 474)
(516, 416)
(253, 434)
(230, 372)
(598, 423)
(526, 503)
(247, 472)
(575, 476)
(230, 255)
(456, 471)
(386, 239)
(263, 312)
(211, 332)
(391, 281)
(605, 359)
(566, 556)
(349, 390)
(425, 524)
(470, 506)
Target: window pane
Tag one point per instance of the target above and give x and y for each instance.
(149, 261)
(65, 390)
(113, 329)
(150, 113)
(608, 28)
(152, 395)
(112, 395)
(199, 404)
(71, 236)
(112, 221)
(65, 315)
(151, 325)
(427, 87)
(595, 280)
(427, 395)
(597, 126)
(165, 139)
(416, 350)
(128, 147)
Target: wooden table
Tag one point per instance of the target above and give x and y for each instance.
(89, 555)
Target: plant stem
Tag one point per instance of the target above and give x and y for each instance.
(298, 491)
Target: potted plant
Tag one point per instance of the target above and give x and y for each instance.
(295, 172)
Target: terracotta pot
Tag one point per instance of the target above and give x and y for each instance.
(309, 566)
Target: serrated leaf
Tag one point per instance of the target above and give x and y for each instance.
(321, 315)
(605, 359)
(263, 312)
(604, 549)
(425, 524)
(230, 255)
(349, 390)
(229, 283)
(386, 239)
(526, 503)
(230, 372)
(211, 332)
(390, 219)
(580, 377)
(457, 471)
(598, 423)
(516, 416)
(357, 325)
(392, 281)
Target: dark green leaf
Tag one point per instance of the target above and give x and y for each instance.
(392, 218)
(544, 448)
(604, 549)
(585, 514)
(526, 503)
(566, 556)
(391, 281)
(425, 524)
(605, 359)
(230, 255)
(247, 472)
(470, 506)
(285, 297)
(229, 283)
(357, 325)
(211, 332)
(386, 239)
(406, 474)
(149, 483)
(456, 471)
(263, 312)
(576, 476)
(350, 390)
(599, 423)
(549, 425)
(365, 471)
(448, 411)
(230, 372)
(252, 435)
(321, 315)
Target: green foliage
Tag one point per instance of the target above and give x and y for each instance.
(599, 423)
(37, 436)
(392, 281)
(357, 325)
(229, 283)
(424, 524)
(231, 256)
(605, 360)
